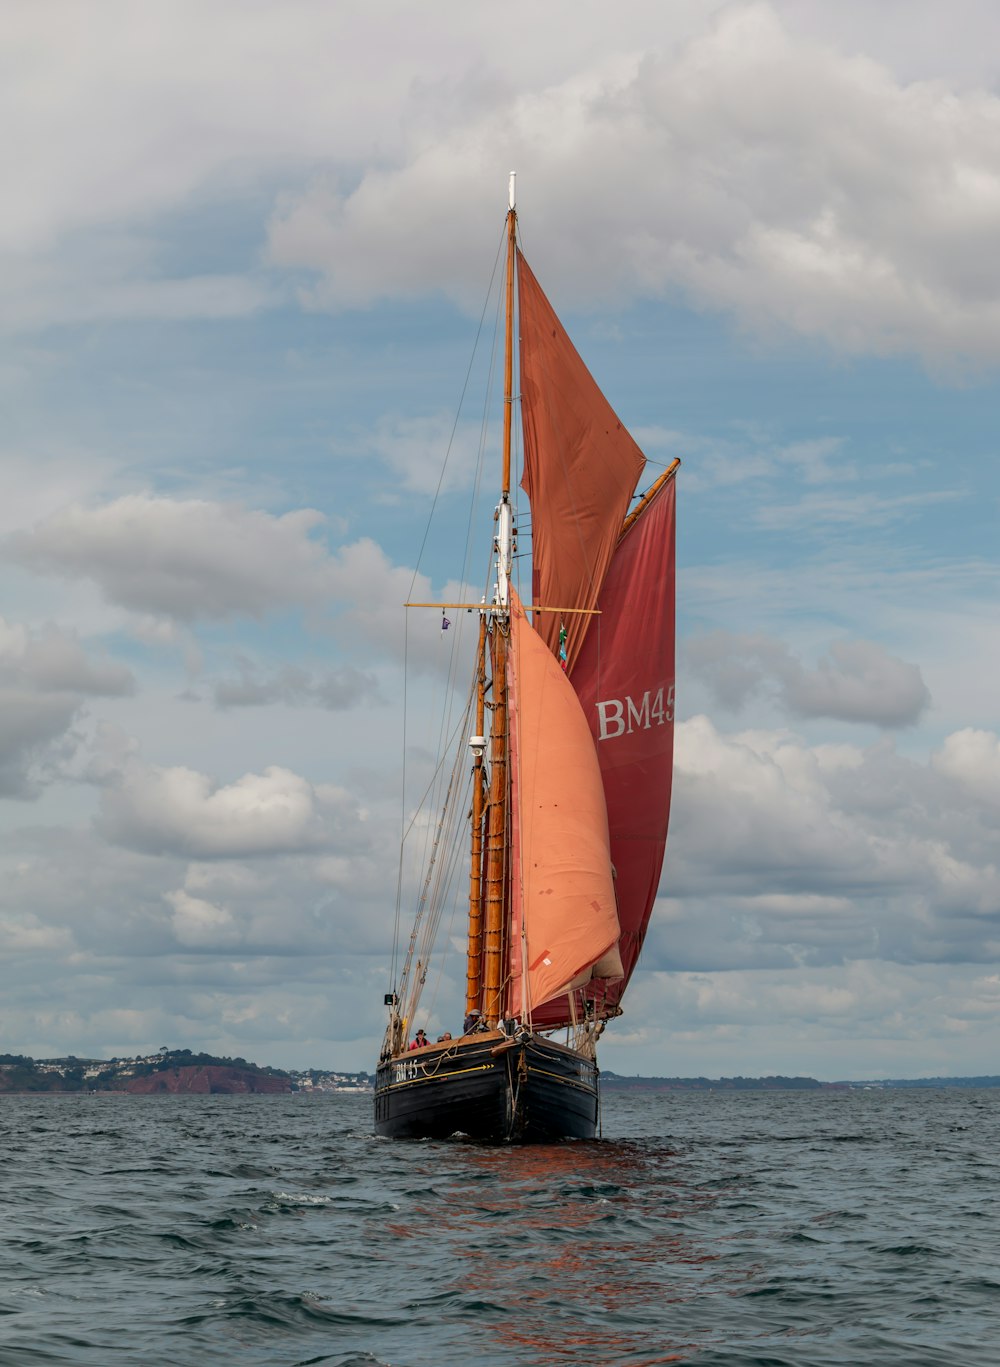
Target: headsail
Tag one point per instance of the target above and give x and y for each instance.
(562, 892)
(580, 469)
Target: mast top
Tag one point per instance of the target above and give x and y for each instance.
(511, 198)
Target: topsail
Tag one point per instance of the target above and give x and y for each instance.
(580, 470)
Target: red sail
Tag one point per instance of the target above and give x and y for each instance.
(624, 679)
(580, 470)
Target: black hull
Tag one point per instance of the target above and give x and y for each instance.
(498, 1091)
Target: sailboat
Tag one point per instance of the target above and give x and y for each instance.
(570, 755)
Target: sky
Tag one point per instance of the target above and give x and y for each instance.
(243, 260)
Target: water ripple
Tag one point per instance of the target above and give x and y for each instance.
(778, 1230)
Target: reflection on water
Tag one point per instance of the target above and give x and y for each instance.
(579, 1246)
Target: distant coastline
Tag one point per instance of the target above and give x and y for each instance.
(181, 1072)
(176, 1072)
(624, 1083)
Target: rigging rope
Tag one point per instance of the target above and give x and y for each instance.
(406, 828)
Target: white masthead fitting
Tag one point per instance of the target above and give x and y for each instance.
(510, 190)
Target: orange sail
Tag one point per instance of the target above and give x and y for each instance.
(580, 469)
(564, 918)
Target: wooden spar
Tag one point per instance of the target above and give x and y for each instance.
(473, 972)
(496, 837)
(528, 607)
(508, 353)
(657, 484)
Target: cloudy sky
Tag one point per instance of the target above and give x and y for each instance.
(243, 257)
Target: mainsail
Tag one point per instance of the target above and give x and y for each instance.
(624, 679)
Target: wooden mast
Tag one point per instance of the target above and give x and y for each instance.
(496, 841)
(474, 963)
(508, 350)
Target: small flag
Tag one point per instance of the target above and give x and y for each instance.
(562, 646)
(445, 624)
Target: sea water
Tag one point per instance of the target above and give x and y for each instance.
(793, 1229)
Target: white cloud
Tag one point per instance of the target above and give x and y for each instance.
(866, 1019)
(781, 853)
(46, 677)
(740, 152)
(194, 560)
(26, 935)
(191, 559)
(33, 730)
(767, 175)
(335, 689)
(199, 924)
(916, 38)
(127, 117)
(972, 759)
(70, 892)
(859, 681)
(284, 905)
(38, 482)
(364, 577)
(827, 890)
(426, 454)
(53, 660)
(182, 811)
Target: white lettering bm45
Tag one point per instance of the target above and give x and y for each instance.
(622, 716)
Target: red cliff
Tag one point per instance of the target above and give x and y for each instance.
(203, 1079)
